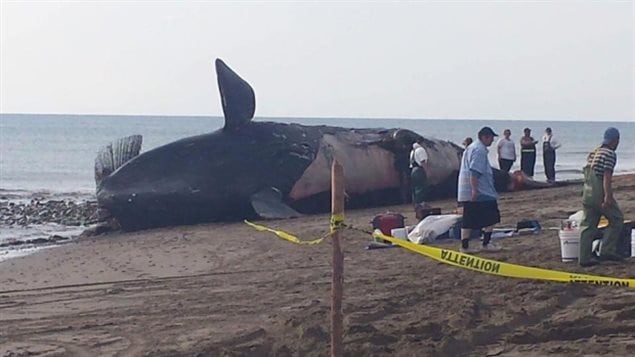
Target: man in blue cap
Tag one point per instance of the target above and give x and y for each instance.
(598, 200)
(476, 193)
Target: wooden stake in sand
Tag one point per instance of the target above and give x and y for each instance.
(337, 211)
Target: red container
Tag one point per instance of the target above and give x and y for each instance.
(385, 222)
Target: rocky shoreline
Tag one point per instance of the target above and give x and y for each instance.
(64, 212)
(40, 212)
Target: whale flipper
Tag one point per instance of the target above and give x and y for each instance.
(114, 155)
(268, 204)
(237, 96)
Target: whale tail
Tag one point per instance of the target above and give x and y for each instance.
(237, 96)
(116, 154)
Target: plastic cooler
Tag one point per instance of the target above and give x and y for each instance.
(388, 221)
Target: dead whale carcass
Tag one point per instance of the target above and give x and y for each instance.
(265, 169)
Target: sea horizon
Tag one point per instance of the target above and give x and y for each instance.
(256, 117)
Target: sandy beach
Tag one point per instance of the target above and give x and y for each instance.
(225, 289)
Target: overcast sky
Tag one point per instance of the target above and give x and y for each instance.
(569, 60)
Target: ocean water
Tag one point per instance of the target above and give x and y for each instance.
(54, 154)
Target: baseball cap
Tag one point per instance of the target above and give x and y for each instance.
(610, 134)
(486, 130)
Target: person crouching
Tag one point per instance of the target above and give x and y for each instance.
(418, 176)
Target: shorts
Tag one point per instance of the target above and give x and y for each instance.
(480, 214)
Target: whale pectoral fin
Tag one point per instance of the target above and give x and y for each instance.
(116, 154)
(268, 204)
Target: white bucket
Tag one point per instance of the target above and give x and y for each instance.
(399, 233)
(569, 244)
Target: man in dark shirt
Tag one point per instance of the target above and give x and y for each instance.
(549, 146)
(528, 153)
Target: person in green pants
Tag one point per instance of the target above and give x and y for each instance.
(597, 200)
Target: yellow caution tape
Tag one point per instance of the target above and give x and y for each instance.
(465, 261)
(337, 221)
(503, 269)
(286, 236)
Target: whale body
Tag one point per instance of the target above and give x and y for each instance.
(253, 169)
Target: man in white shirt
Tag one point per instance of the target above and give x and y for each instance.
(506, 151)
(419, 179)
(549, 146)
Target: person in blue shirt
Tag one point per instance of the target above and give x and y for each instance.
(476, 192)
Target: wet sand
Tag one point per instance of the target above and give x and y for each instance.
(225, 289)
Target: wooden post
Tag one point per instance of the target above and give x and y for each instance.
(337, 210)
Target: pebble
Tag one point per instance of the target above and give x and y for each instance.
(62, 212)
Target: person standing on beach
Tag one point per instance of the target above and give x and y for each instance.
(418, 177)
(597, 200)
(549, 146)
(506, 151)
(476, 192)
(467, 142)
(527, 153)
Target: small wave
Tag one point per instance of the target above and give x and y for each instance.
(20, 241)
(23, 195)
(6, 254)
(38, 231)
(10, 194)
